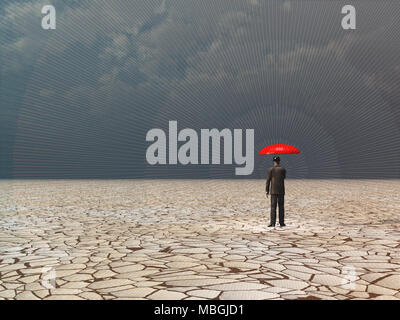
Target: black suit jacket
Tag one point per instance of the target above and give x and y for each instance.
(276, 179)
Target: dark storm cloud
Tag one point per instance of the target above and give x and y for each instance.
(115, 69)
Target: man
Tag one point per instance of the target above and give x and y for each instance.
(276, 180)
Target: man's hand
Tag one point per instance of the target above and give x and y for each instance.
(267, 194)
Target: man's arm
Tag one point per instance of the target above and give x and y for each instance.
(269, 177)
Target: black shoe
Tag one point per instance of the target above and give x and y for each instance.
(271, 225)
(283, 225)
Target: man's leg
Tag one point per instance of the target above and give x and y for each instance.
(274, 202)
(281, 203)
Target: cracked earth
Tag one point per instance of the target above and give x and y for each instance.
(203, 239)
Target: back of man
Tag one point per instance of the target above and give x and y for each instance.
(276, 187)
(277, 177)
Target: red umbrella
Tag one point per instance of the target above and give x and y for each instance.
(279, 149)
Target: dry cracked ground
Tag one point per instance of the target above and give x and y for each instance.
(205, 239)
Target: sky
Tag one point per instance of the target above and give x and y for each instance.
(78, 101)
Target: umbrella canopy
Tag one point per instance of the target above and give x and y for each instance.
(279, 149)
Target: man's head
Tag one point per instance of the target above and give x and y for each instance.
(276, 160)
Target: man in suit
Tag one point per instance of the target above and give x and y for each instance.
(276, 186)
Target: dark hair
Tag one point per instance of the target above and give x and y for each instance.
(277, 159)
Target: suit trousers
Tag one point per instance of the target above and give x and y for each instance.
(278, 199)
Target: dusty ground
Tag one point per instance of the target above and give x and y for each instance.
(198, 239)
